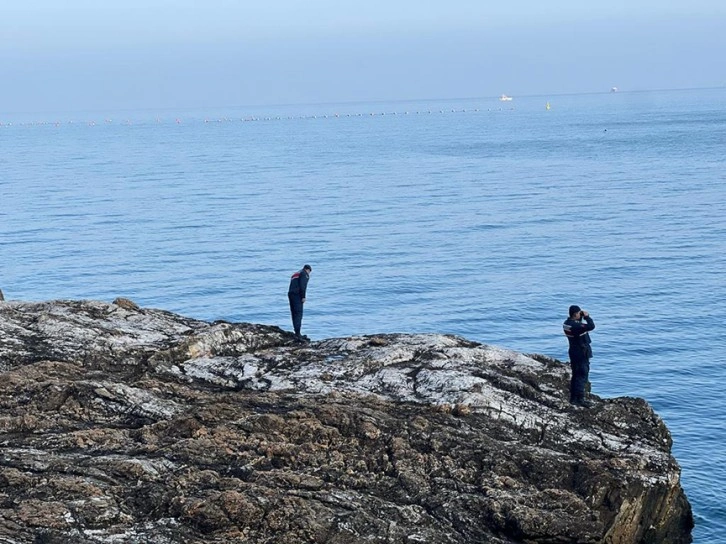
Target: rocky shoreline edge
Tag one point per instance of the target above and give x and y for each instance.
(121, 424)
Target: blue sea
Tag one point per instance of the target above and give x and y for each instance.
(475, 217)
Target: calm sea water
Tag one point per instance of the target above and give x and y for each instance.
(474, 217)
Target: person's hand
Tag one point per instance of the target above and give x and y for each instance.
(584, 313)
(303, 301)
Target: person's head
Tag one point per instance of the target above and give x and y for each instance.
(307, 268)
(575, 311)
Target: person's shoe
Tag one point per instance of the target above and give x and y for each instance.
(581, 403)
(301, 339)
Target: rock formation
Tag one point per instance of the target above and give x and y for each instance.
(122, 424)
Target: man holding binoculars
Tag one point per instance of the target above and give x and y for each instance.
(578, 336)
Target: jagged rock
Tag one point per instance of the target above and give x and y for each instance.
(121, 425)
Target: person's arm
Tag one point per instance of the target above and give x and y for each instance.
(582, 328)
(303, 280)
(590, 323)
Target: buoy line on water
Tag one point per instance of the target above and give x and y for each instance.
(250, 118)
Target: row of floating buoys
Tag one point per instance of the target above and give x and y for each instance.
(178, 120)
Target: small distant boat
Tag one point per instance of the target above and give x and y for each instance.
(613, 89)
(547, 106)
(505, 98)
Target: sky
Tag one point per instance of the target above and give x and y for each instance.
(94, 55)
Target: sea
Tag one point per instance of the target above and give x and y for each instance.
(475, 217)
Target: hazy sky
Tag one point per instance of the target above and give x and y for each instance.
(67, 55)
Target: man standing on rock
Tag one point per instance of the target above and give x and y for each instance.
(580, 352)
(296, 296)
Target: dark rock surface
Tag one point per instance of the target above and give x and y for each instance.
(120, 424)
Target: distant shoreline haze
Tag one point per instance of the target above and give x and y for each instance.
(62, 60)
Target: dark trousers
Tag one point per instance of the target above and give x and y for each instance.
(296, 309)
(580, 372)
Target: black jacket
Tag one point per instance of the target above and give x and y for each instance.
(577, 335)
(299, 283)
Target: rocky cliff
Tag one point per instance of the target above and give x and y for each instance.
(120, 424)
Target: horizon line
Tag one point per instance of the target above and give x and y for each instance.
(354, 102)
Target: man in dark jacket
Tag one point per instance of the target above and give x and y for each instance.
(296, 296)
(580, 352)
